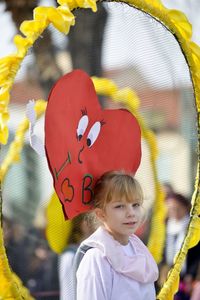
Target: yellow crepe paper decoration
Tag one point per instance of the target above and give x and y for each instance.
(177, 24)
(57, 229)
(11, 286)
(72, 4)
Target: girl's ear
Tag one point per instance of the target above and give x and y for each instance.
(100, 214)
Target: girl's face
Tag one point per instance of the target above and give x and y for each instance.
(121, 218)
(176, 210)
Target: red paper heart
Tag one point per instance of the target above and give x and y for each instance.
(83, 141)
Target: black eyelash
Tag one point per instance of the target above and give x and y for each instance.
(102, 122)
(84, 111)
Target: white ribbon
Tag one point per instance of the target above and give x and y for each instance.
(35, 142)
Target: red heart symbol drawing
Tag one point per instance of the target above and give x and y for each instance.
(83, 141)
(67, 190)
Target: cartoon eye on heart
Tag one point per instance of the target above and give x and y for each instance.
(93, 134)
(91, 137)
(83, 141)
(82, 126)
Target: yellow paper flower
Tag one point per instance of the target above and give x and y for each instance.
(79, 3)
(22, 45)
(60, 17)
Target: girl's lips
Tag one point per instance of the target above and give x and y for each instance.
(130, 223)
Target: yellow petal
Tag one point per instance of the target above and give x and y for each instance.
(5, 117)
(104, 86)
(61, 19)
(22, 44)
(33, 29)
(67, 15)
(195, 52)
(153, 144)
(155, 3)
(197, 75)
(194, 232)
(71, 4)
(4, 135)
(79, 3)
(173, 289)
(57, 230)
(170, 288)
(9, 66)
(24, 292)
(4, 95)
(6, 80)
(8, 61)
(64, 2)
(181, 22)
(40, 13)
(129, 97)
(196, 197)
(66, 11)
(40, 106)
(88, 4)
(195, 238)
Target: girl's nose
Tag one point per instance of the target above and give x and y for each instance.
(130, 210)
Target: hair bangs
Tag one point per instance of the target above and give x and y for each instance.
(125, 187)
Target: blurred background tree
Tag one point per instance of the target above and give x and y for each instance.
(84, 42)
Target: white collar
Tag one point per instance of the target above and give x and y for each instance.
(140, 267)
(177, 226)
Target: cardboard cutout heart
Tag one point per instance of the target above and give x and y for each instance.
(82, 141)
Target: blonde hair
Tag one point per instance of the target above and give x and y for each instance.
(118, 185)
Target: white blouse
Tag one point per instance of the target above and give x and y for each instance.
(98, 279)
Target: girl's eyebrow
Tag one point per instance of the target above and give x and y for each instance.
(126, 201)
(137, 200)
(118, 201)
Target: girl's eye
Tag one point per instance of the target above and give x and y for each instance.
(82, 126)
(119, 206)
(136, 205)
(93, 134)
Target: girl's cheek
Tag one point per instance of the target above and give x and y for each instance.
(139, 212)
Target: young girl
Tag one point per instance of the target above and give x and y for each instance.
(118, 266)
